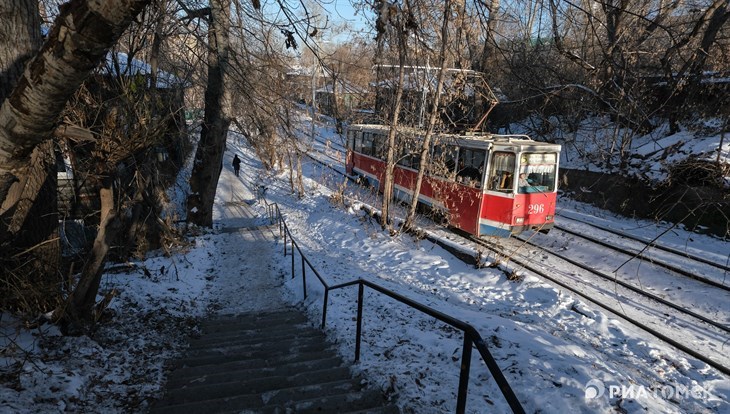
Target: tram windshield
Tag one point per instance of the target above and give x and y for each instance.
(537, 173)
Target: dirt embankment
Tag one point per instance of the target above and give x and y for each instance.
(704, 209)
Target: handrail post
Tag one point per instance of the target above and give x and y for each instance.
(358, 333)
(464, 374)
(324, 306)
(285, 239)
(292, 257)
(304, 276)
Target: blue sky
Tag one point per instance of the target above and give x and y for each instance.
(342, 11)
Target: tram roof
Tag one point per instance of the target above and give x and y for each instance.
(477, 139)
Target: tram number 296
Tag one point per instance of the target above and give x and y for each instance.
(535, 208)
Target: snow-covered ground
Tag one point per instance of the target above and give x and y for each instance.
(559, 353)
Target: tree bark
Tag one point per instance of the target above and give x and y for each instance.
(209, 155)
(489, 47)
(29, 275)
(20, 37)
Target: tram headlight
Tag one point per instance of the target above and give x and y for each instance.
(519, 220)
(549, 217)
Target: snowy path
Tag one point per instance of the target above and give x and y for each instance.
(247, 277)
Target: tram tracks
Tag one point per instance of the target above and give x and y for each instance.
(629, 286)
(641, 254)
(651, 313)
(650, 243)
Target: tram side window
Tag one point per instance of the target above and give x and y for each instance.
(471, 166)
(357, 144)
(407, 157)
(501, 171)
(443, 161)
(367, 143)
(413, 157)
(379, 145)
(402, 158)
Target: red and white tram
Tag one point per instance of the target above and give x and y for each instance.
(486, 185)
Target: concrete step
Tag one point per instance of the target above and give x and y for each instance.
(258, 385)
(279, 318)
(253, 336)
(240, 403)
(293, 342)
(222, 373)
(388, 409)
(289, 354)
(275, 399)
(361, 400)
(252, 363)
(253, 342)
(249, 326)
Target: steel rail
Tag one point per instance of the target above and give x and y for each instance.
(651, 243)
(655, 261)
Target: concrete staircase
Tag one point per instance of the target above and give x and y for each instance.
(272, 362)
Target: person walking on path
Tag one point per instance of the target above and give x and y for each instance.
(236, 164)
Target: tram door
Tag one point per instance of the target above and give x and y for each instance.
(501, 172)
(496, 213)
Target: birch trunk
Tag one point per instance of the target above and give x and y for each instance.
(21, 29)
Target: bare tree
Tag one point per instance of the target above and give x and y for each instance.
(209, 156)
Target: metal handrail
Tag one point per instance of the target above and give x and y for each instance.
(471, 335)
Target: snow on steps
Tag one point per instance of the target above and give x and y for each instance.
(265, 363)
